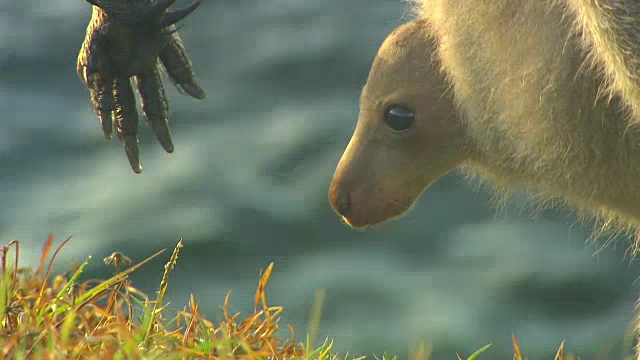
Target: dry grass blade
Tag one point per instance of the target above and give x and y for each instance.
(53, 259)
(43, 254)
(262, 284)
(163, 288)
(188, 332)
(516, 349)
(225, 309)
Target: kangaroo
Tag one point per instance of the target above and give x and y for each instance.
(536, 95)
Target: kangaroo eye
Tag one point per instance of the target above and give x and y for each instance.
(398, 118)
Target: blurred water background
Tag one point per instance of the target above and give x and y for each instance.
(247, 185)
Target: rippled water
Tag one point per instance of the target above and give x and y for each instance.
(247, 185)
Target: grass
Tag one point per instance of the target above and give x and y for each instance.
(61, 317)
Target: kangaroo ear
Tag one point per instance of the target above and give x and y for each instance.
(172, 17)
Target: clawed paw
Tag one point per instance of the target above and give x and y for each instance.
(135, 39)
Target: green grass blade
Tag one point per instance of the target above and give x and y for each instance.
(107, 283)
(477, 352)
(73, 279)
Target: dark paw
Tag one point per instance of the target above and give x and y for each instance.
(127, 40)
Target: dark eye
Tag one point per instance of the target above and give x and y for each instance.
(398, 118)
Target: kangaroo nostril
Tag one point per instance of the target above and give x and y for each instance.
(343, 204)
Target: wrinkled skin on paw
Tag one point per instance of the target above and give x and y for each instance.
(135, 39)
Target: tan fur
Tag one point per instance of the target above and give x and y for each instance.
(611, 30)
(532, 109)
(527, 110)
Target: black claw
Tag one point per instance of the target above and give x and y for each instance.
(132, 150)
(192, 89)
(106, 123)
(164, 137)
(172, 17)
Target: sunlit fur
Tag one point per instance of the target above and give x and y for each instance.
(532, 108)
(611, 31)
(550, 94)
(544, 94)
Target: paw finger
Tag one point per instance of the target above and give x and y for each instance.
(125, 118)
(101, 91)
(178, 65)
(155, 106)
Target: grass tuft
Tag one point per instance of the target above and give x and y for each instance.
(62, 317)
